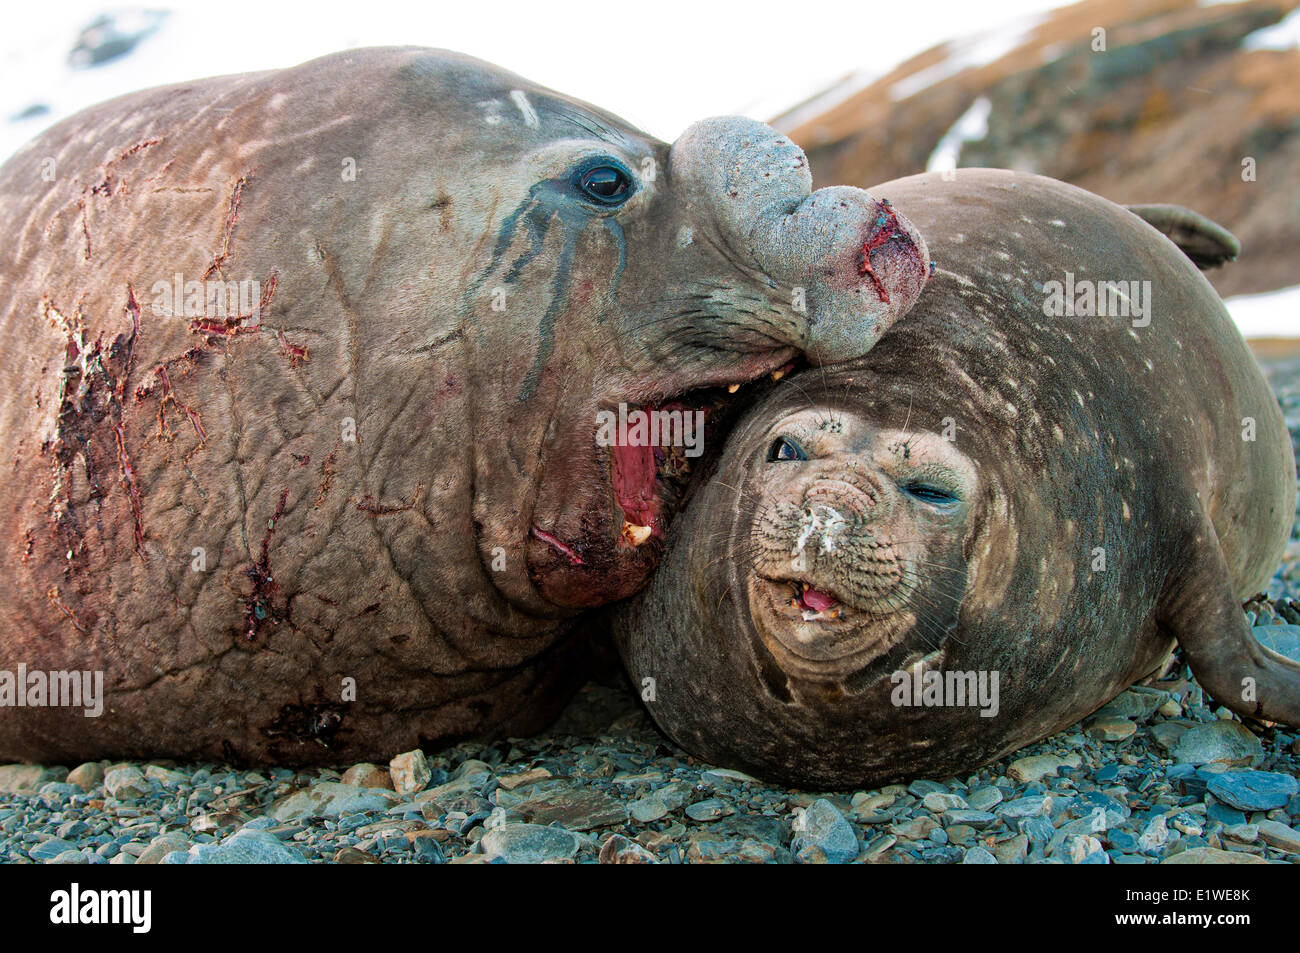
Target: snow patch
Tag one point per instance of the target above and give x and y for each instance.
(1273, 314)
(971, 127)
(1283, 35)
(973, 53)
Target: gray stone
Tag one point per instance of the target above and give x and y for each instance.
(1036, 767)
(1282, 639)
(331, 799)
(86, 776)
(243, 847)
(659, 803)
(923, 786)
(1220, 742)
(1210, 855)
(939, 802)
(711, 809)
(1167, 733)
(1155, 835)
(979, 819)
(1137, 702)
(984, 799)
(25, 778)
(822, 826)
(165, 776)
(1278, 835)
(162, 845)
(1026, 806)
(125, 782)
(529, 844)
(978, 855)
(1253, 790)
(50, 848)
(572, 807)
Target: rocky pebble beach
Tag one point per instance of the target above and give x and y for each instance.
(1158, 775)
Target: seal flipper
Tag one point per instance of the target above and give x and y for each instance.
(1206, 243)
(1206, 617)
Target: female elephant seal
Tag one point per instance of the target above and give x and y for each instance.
(304, 374)
(912, 563)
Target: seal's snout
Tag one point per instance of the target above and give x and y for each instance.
(851, 264)
(822, 525)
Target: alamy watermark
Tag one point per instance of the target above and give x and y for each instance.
(936, 689)
(58, 689)
(208, 299)
(1085, 298)
(651, 428)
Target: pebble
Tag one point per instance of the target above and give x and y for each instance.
(25, 778)
(86, 776)
(125, 782)
(1253, 790)
(366, 775)
(978, 855)
(985, 798)
(410, 772)
(1037, 767)
(658, 804)
(617, 849)
(939, 802)
(822, 826)
(1280, 836)
(529, 844)
(1025, 807)
(1111, 729)
(1211, 855)
(241, 847)
(1221, 742)
(330, 799)
(710, 809)
(1283, 639)
(161, 846)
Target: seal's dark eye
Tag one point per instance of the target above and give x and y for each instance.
(783, 448)
(605, 183)
(929, 493)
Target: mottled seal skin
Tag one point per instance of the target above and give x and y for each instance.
(384, 469)
(1072, 439)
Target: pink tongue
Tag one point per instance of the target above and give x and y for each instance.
(816, 600)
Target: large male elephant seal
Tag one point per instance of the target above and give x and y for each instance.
(910, 564)
(360, 503)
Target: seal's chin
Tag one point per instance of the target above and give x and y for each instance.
(604, 536)
(814, 635)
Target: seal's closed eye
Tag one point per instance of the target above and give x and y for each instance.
(929, 493)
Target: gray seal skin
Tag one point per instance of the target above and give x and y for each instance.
(359, 510)
(1096, 503)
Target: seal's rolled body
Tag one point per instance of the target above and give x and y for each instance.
(996, 490)
(356, 508)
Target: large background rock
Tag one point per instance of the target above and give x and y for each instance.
(1165, 114)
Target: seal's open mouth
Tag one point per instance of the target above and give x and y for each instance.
(601, 542)
(796, 600)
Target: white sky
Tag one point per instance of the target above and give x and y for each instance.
(660, 65)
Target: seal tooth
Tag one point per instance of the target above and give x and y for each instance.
(634, 534)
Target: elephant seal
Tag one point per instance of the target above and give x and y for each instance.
(915, 562)
(304, 377)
